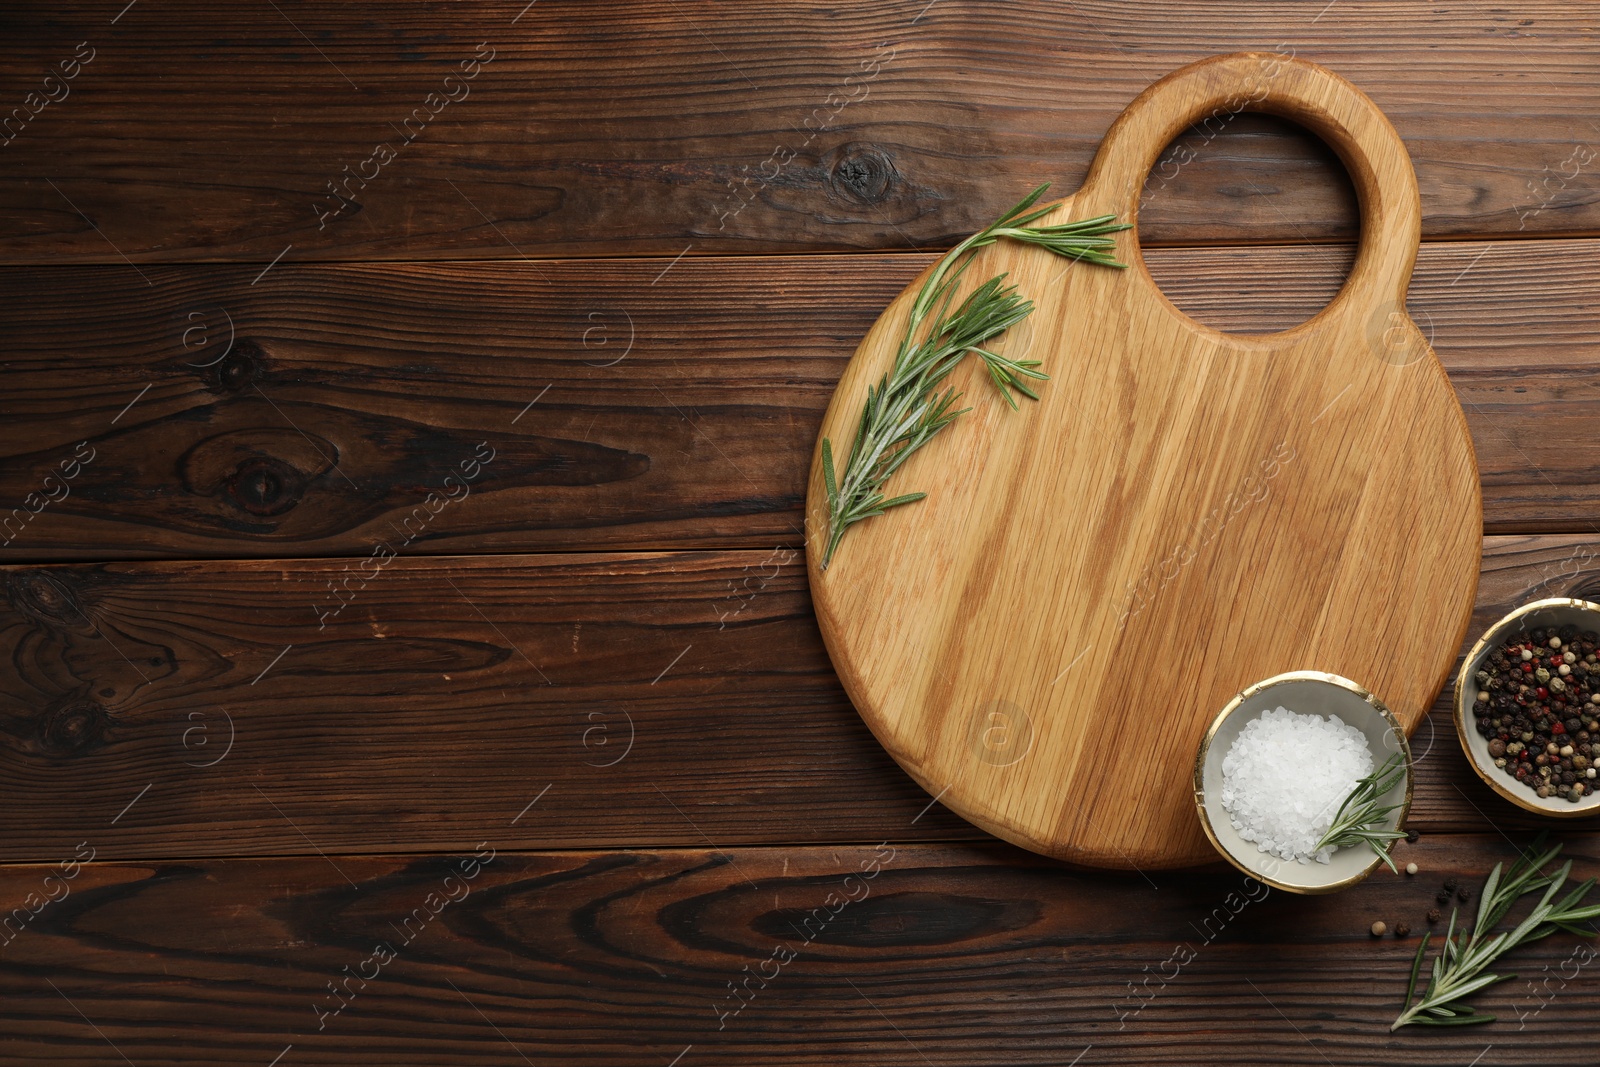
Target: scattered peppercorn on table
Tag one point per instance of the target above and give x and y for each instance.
(407, 415)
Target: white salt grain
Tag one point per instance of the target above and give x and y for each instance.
(1285, 776)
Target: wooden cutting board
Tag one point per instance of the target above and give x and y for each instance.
(1042, 641)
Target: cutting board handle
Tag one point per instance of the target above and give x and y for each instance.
(1210, 92)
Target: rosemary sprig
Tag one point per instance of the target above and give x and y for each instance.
(1458, 970)
(1358, 817)
(906, 408)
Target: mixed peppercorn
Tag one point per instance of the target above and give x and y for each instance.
(1538, 706)
(1453, 891)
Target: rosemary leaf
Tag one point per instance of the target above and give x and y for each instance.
(1416, 968)
(828, 479)
(1459, 970)
(1356, 820)
(904, 498)
(905, 409)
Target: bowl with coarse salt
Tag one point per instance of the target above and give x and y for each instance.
(1284, 763)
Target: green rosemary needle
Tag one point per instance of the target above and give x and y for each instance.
(906, 408)
(1458, 969)
(1358, 817)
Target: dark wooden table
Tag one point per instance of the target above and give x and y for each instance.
(406, 410)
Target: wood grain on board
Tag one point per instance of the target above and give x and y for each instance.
(186, 709)
(1230, 507)
(501, 129)
(630, 406)
(956, 956)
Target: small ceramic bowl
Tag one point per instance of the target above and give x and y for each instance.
(1309, 693)
(1539, 615)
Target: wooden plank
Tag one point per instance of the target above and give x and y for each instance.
(630, 404)
(329, 132)
(200, 709)
(887, 954)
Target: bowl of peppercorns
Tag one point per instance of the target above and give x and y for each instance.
(1528, 707)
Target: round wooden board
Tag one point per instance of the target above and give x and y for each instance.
(1043, 640)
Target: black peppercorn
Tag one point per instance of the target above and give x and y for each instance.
(1411, 837)
(1443, 898)
(1433, 915)
(1451, 884)
(1402, 930)
(1464, 895)
(1529, 706)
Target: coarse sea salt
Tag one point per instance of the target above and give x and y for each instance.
(1285, 776)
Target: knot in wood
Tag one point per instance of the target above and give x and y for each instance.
(73, 726)
(237, 372)
(44, 597)
(862, 173)
(1586, 589)
(265, 486)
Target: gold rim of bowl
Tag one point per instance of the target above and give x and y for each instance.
(1491, 775)
(1232, 706)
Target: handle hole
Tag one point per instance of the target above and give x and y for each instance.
(1276, 199)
